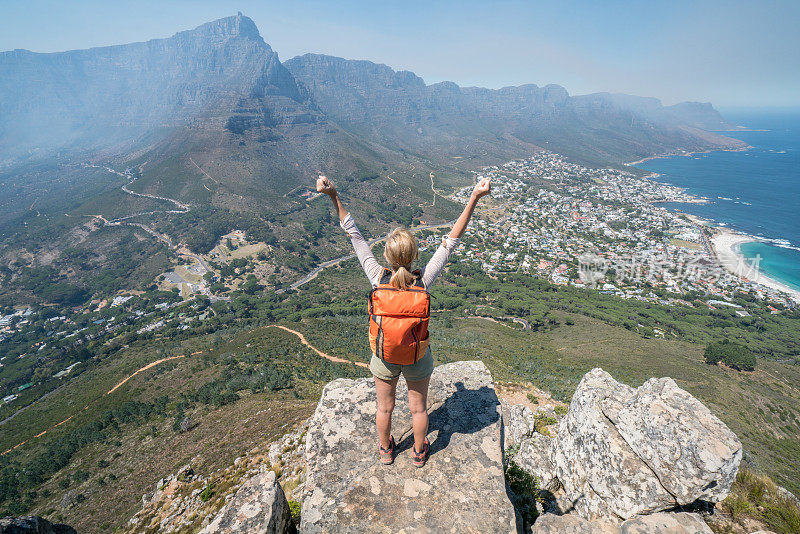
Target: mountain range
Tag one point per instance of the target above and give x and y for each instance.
(212, 118)
(399, 108)
(224, 74)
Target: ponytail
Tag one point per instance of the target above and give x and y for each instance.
(402, 278)
(400, 251)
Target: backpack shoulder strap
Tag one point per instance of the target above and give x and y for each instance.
(386, 276)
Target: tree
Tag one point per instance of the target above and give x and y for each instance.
(82, 354)
(734, 355)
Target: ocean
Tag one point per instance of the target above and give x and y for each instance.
(756, 191)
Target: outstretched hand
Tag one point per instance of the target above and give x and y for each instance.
(482, 188)
(325, 186)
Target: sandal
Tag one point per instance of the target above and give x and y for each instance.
(387, 455)
(419, 458)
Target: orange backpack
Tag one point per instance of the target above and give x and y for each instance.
(398, 320)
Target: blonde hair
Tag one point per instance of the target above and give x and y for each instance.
(400, 251)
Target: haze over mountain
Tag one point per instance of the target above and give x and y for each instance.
(400, 109)
(127, 96)
(103, 96)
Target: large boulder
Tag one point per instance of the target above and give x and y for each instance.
(600, 473)
(659, 523)
(666, 523)
(621, 451)
(693, 454)
(462, 487)
(258, 507)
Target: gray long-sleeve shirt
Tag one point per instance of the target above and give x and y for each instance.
(374, 270)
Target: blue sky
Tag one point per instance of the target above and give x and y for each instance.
(734, 53)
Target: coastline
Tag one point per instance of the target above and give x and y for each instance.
(726, 245)
(725, 242)
(686, 154)
(694, 199)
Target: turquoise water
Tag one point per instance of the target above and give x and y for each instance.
(756, 191)
(776, 262)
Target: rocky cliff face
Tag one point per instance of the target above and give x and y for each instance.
(122, 96)
(259, 506)
(700, 115)
(622, 459)
(247, 496)
(103, 96)
(399, 108)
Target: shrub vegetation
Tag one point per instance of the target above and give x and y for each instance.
(731, 354)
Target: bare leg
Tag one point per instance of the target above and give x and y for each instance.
(418, 403)
(383, 417)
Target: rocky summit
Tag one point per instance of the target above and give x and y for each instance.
(621, 460)
(462, 487)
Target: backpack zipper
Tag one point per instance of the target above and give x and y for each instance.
(416, 341)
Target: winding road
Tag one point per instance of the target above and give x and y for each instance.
(433, 189)
(120, 221)
(305, 342)
(184, 208)
(199, 168)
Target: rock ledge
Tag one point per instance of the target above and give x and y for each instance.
(461, 489)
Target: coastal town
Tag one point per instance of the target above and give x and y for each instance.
(606, 229)
(599, 229)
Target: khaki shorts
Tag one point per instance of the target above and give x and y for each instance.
(414, 372)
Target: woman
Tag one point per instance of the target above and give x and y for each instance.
(400, 251)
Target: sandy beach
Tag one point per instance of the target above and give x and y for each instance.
(726, 246)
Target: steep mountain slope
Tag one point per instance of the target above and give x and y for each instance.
(399, 108)
(99, 97)
(700, 115)
(209, 118)
(220, 90)
(214, 96)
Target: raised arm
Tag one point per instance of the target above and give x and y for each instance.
(482, 188)
(325, 186)
(371, 267)
(449, 243)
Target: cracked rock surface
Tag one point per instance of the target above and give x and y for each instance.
(258, 507)
(462, 487)
(621, 452)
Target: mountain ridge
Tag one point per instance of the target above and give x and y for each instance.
(352, 90)
(42, 105)
(99, 97)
